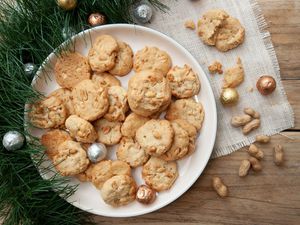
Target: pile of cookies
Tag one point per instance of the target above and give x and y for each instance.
(92, 106)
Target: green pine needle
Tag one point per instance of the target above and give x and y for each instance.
(29, 31)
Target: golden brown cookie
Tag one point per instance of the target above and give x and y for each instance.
(102, 55)
(71, 159)
(90, 100)
(148, 92)
(70, 69)
(215, 67)
(230, 35)
(124, 60)
(180, 144)
(132, 123)
(109, 133)
(52, 139)
(152, 58)
(119, 190)
(155, 136)
(65, 96)
(192, 132)
(86, 176)
(118, 106)
(131, 152)
(105, 79)
(209, 24)
(187, 109)
(234, 76)
(81, 129)
(48, 113)
(106, 169)
(184, 82)
(159, 174)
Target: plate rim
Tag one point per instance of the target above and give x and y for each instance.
(214, 114)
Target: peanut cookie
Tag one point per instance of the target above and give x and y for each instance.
(209, 24)
(90, 100)
(230, 35)
(71, 159)
(102, 55)
(148, 91)
(155, 136)
(152, 58)
(105, 79)
(132, 123)
(187, 109)
(109, 133)
(184, 82)
(119, 190)
(124, 60)
(131, 152)
(106, 169)
(118, 106)
(86, 176)
(48, 113)
(81, 129)
(52, 139)
(159, 174)
(70, 69)
(65, 96)
(180, 145)
(234, 76)
(192, 132)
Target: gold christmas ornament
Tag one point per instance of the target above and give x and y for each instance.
(145, 194)
(96, 19)
(67, 4)
(266, 85)
(229, 96)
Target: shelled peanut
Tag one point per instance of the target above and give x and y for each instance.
(278, 155)
(244, 168)
(254, 151)
(250, 120)
(219, 187)
(262, 139)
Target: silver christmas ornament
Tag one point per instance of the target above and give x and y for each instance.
(143, 12)
(68, 32)
(29, 69)
(13, 140)
(97, 152)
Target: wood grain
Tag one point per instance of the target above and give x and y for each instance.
(283, 17)
(268, 197)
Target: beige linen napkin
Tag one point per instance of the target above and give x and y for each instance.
(258, 58)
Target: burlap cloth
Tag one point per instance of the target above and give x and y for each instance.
(258, 58)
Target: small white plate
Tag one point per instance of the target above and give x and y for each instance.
(87, 197)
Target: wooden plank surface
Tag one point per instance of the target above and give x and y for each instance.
(269, 197)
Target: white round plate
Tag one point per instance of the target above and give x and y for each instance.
(87, 197)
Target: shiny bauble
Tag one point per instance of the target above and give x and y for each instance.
(97, 152)
(67, 4)
(229, 96)
(68, 32)
(145, 194)
(13, 140)
(96, 19)
(143, 12)
(29, 69)
(266, 85)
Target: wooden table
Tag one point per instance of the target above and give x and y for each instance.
(271, 196)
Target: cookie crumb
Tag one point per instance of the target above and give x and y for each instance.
(215, 67)
(189, 24)
(250, 89)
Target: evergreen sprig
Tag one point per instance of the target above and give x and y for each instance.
(29, 31)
